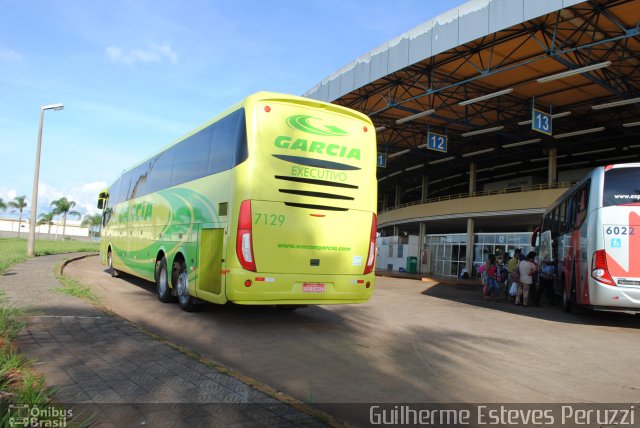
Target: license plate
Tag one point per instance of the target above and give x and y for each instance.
(624, 281)
(312, 287)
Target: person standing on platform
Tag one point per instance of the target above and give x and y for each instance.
(514, 274)
(526, 269)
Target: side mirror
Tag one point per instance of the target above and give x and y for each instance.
(102, 197)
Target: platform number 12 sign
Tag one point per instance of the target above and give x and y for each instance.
(437, 142)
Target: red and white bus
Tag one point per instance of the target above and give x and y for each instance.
(591, 234)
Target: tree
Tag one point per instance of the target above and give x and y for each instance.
(46, 218)
(93, 222)
(63, 207)
(18, 204)
(3, 206)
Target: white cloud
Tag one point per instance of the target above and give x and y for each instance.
(7, 194)
(84, 195)
(9, 55)
(155, 54)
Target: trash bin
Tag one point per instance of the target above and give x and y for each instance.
(412, 264)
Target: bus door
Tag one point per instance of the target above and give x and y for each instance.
(210, 244)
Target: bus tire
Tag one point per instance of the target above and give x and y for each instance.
(566, 301)
(182, 287)
(162, 281)
(112, 271)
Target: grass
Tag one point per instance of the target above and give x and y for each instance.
(73, 287)
(18, 384)
(14, 250)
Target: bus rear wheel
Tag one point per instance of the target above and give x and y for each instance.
(182, 287)
(112, 271)
(566, 301)
(162, 281)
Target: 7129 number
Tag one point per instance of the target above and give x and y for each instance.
(269, 219)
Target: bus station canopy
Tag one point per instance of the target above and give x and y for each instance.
(476, 74)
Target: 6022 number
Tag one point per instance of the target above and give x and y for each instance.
(620, 230)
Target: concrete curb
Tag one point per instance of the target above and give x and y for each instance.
(73, 259)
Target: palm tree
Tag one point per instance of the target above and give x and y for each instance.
(46, 218)
(3, 206)
(93, 222)
(18, 204)
(63, 207)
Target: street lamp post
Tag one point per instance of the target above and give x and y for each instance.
(36, 175)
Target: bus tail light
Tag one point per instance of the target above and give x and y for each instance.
(599, 270)
(371, 258)
(244, 239)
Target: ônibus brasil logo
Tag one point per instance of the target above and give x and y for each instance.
(301, 123)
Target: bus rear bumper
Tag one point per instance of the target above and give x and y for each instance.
(249, 288)
(606, 297)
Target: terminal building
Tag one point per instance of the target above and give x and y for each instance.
(488, 113)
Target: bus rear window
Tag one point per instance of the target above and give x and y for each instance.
(621, 186)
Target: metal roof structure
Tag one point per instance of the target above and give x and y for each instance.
(476, 73)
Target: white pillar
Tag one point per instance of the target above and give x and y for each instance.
(421, 241)
(470, 246)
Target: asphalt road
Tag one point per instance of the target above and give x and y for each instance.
(413, 342)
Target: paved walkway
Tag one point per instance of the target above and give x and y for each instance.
(104, 366)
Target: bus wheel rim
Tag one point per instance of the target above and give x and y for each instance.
(183, 287)
(162, 281)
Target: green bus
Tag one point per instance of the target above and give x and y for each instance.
(273, 202)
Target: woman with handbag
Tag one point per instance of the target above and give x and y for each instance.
(514, 274)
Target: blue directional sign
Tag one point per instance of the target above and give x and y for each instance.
(437, 142)
(382, 160)
(542, 122)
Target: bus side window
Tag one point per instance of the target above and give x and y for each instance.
(582, 204)
(138, 185)
(562, 218)
(160, 171)
(125, 187)
(229, 146)
(106, 213)
(192, 157)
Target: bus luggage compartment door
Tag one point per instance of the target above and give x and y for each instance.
(210, 260)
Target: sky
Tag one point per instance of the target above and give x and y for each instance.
(136, 75)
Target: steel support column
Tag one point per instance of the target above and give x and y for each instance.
(553, 167)
(470, 246)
